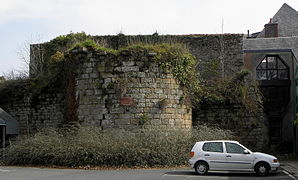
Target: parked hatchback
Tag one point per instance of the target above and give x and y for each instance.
(231, 156)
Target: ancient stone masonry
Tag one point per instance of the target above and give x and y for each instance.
(248, 127)
(111, 91)
(208, 49)
(128, 91)
(36, 113)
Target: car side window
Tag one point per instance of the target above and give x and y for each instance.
(213, 147)
(234, 148)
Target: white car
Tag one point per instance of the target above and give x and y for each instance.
(230, 156)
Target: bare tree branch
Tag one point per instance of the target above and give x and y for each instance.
(26, 55)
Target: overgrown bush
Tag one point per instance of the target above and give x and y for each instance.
(112, 148)
(231, 90)
(13, 89)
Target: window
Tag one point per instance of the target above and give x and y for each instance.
(272, 67)
(234, 148)
(213, 147)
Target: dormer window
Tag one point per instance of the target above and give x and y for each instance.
(272, 67)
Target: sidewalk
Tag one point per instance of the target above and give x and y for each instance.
(291, 167)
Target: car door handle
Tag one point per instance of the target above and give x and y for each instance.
(228, 156)
(207, 155)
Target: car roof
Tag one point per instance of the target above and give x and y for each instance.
(219, 141)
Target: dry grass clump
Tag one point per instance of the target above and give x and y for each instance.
(111, 148)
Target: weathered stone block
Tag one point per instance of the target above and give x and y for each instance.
(117, 110)
(128, 63)
(130, 69)
(122, 121)
(85, 76)
(125, 116)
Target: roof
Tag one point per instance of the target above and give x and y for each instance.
(12, 125)
(219, 141)
(287, 20)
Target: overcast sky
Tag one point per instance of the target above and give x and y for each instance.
(42, 20)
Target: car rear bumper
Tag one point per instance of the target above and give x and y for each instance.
(192, 163)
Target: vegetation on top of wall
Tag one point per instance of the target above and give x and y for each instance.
(91, 44)
(63, 43)
(233, 90)
(53, 63)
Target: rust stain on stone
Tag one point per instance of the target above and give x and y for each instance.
(126, 101)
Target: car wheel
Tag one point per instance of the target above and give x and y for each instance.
(262, 169)
(201, 168)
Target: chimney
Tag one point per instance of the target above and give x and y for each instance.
(271, 29)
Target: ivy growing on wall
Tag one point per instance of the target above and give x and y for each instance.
(175, 59)
(234, 90)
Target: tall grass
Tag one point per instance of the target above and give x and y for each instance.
(113, 148)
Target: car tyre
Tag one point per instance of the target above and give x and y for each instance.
(262, 169)
(201, 168)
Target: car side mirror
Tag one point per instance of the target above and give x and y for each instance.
(246, 152)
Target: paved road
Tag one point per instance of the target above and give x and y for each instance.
(19, 173)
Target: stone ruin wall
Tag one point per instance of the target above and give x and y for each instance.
(128, 92)
(100, 97)
(207, 48)
(33, 114)
(112, 92)
(250, 128)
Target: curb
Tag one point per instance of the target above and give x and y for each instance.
(290, 175)
(289, 170)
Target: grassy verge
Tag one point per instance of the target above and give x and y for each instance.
(114, 148)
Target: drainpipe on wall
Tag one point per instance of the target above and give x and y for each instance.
(295, 104)
(3, 140)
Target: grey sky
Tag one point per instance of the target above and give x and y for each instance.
(37, 20)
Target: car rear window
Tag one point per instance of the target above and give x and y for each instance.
(213, 147)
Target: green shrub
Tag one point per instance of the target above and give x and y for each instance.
(13, 89)
(113, 148)
(235, 89)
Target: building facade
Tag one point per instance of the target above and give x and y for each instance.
(271, 56)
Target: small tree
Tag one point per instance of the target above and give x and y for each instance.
(222, 51)
(14, 74)
(2, 79)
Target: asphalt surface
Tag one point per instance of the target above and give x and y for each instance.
(21, 173)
